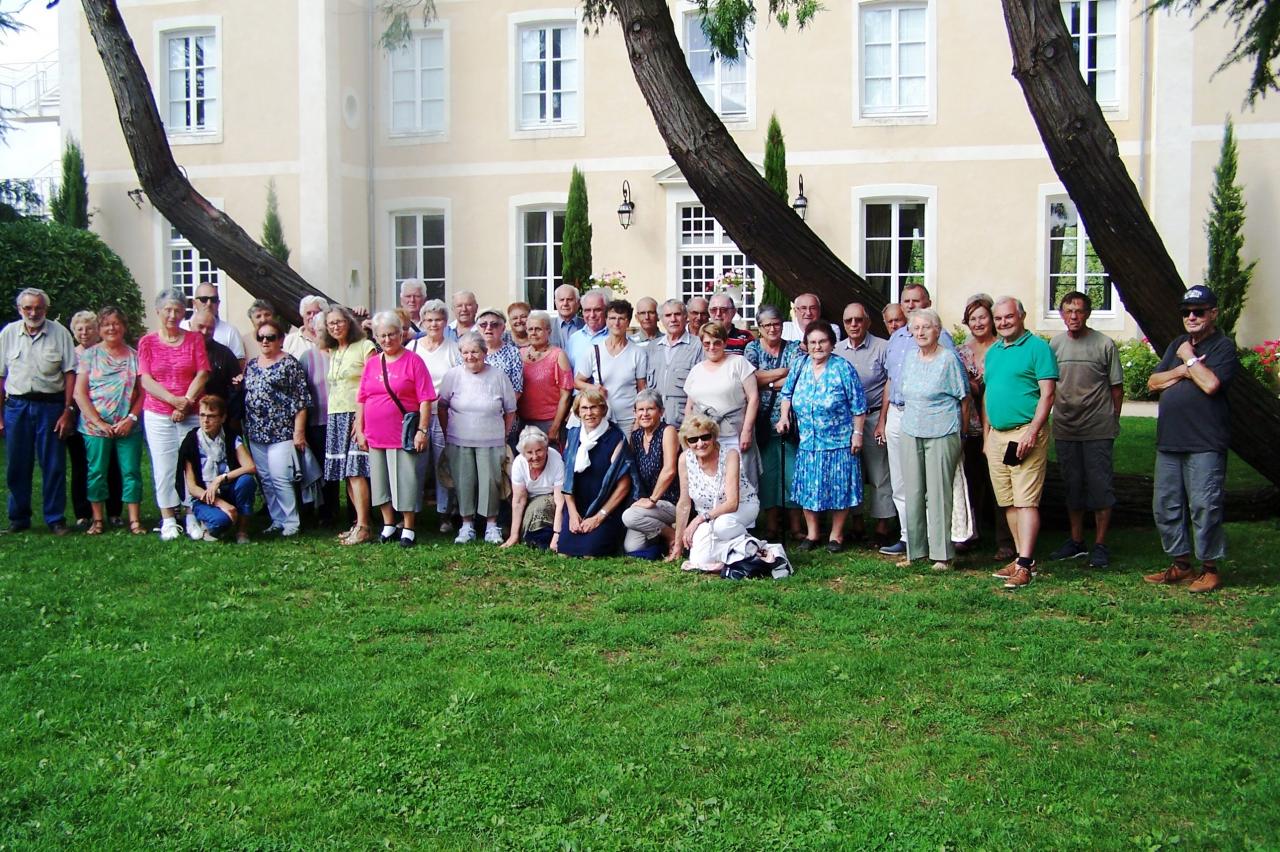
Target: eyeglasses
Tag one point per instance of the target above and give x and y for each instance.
(1194, 312)
(268, 338)
(210, 415)
(208, 299)
(852, 320)
(700, 439)
(771, 325)
(490, 324)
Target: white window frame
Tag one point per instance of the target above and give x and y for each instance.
(1116, 107)
(163, 31)
(417, 207)
(896, 194)
(543, 202)
(688, 16)
(517, 24)
(678, 200)
(418, 134)
(166, 245)
(1046, 308)
(925, 114)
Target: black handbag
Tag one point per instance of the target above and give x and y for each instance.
(410, 421)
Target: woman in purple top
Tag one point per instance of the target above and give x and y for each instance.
(393, 382)
(477, 406)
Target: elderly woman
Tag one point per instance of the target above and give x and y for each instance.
(723, 388)
(616, 366)
(933, 388)
(654, 491)
(217, 470)
(548, 380)
(597, 481)
(309, 350)
(830, 409)
(276, 399)
(492, 326)
(537, 480)
(773, 359)
(307, 336)
(973, 354)
(517, 323)
(477, 407)
(110, 401)
(440, 355)
(84, 328)
(173, 366)
(715, 489)
(260, 310)
(395, 382)
(345, 460)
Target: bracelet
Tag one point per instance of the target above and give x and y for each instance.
(132, 416)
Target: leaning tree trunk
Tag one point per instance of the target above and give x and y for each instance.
(213, 232)
(1085, 155)
(761, 223)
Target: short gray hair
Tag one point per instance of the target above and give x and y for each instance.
(433, 306)
(562, 287)
(929, 314)
(307, 301)
(464, 295)
(387, 319)
(32, 291)
(723, 295)
(531, 435)
(767, 311)
(413, 284)
(602, 293)
(674, 303)
(170, 295)
(83, 316)
(649, 395)
(539, 316)
(473, 338)
(1022, 311)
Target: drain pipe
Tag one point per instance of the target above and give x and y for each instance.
(1144, 115)
(370, 192)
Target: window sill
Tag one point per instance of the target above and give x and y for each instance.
(890, 119)
(425, 137)
(548, 131)
(213, 137)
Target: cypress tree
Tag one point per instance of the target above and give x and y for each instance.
(1226, 276)
(775, 174)
(575, 247)
(272, 230)
(70, 204)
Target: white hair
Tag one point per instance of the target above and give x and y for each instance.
(387, 319)
(539, 317)
(307, 301)
(171, 295)
(530, 435)
(1022, 311)
(928, 314)
(414, 284)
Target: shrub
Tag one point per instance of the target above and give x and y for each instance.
(1262, 361)
(76, 268)
(1139, 361)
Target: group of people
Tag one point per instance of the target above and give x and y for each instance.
(587, 440)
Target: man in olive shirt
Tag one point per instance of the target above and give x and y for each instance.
(37, 379)
(1086, 420)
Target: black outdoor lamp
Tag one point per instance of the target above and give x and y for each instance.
(801, 204)
(627, 207)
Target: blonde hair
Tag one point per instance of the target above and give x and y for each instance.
(698, 424)
(591, 395)
(713, 329)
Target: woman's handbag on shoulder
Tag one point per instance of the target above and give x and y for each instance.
(410, 421)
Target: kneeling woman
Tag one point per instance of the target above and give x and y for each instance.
(216, 470)
(714, 486)
(537, 480)
(597, 481)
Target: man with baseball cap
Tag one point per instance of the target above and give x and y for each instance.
(1192, 435)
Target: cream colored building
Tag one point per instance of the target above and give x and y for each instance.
(449, 159)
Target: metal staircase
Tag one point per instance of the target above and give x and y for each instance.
(30, 91)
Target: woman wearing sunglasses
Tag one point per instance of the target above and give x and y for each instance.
(276, 398)
(717, 491)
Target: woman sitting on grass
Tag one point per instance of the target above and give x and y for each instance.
(597, 482)
(216, 470)
(537, 477)
(714, 486)
(654, 449)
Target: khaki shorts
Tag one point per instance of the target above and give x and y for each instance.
(1021, 485)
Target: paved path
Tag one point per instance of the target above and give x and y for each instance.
(1138, 409)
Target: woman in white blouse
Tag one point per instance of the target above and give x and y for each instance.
(537, 480)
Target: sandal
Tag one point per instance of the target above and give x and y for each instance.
(346, 534)
(136, 528)
(94, 528)
(357, 535)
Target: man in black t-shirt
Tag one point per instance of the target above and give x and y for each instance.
(1193, 432)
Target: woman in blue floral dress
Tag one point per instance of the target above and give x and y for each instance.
(830, 407)
(773, 359)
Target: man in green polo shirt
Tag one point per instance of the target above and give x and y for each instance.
(1021, 376)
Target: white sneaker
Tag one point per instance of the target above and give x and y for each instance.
(493, 534)
(170, 531)
(195, 529)
(290, 532)
(445, 527)
(466, 534)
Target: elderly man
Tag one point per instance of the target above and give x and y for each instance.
(806, 308)
(1086, 420)
(895, 318)
(1021, 375)
(37, 379)
(868, 355)
(1193, 431)
(223, 365)
(888, 432)
(464, 315)
(671, 357)
(413, 294)
(224, 332)
(300, 340)
(566, 320)
(592, 332)
(698, 312)
(723, 311)
(647, 319)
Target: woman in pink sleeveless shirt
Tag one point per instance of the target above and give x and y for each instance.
(548, 380)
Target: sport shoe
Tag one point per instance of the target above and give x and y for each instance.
(1172, 575)
(898, 548)
(1206, 582)
(493, 534)
(1008, 571)
(195, 529)
(1020, 577)
(208, 536)
(466, 534)
(445, 527)
(1100, 557)
(170, 531)
(1070, 549)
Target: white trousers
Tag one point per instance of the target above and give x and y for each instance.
(163, 439)
(711, 542)
(893, 441)
(276, 463)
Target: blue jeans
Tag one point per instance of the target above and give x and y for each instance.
(239, 493)
(29, 437)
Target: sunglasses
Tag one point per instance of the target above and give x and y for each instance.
(1194, 312)
(207, 299)
(700, 439)
(268, 338)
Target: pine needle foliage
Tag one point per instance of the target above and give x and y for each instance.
(272, 231)
(775, 174)
(1226, 276)
(70, 204)
(576, 245)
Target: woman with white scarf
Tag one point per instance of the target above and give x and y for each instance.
(221, 494)
(597, 482)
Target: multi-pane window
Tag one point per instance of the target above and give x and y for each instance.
(192, 81)
(188, 269)
(1093, 35)
(418, 246)
(541, 234)
(549, 70)
(722, 81)
(711, 263)
(418, 85)
(893, 240)
(895, 62)
(1072, 262)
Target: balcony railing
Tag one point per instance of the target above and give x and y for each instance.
(31, 90)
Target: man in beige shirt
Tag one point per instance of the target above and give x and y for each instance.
(37, 379)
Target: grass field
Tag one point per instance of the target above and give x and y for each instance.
(298, 695)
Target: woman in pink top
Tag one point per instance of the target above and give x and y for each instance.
(173, 367)
(548, 380)
(383, 397)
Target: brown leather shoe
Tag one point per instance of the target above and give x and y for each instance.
(1172, 575)
(1008, 571)
(1206, 582)
(1020, 577)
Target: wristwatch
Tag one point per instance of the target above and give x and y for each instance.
(132, 416)
(424, 431)
(1191, 362)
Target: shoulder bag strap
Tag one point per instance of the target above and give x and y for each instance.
(387, 382)
(599, 369)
